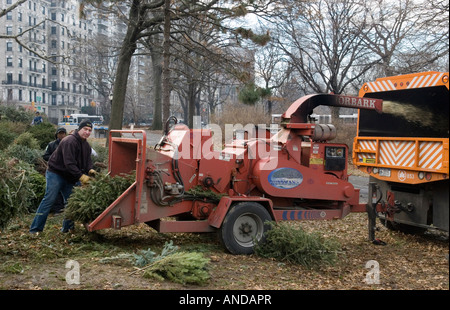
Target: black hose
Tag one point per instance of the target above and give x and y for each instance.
(167, 125)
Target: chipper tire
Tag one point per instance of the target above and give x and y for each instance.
(243, 226)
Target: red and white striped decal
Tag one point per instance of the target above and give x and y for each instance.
(419, 81)
(397, 153)
(367, 149)
(368, 145)
(403, 153)
(384, 85)
(431, 155)
(425, 80)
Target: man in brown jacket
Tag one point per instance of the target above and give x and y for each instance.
(68, 166)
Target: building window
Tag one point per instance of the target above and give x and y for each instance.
(9, 62)
(20, 95)
(9, 30)
(9, 16)
(9, 46)
(9, 78)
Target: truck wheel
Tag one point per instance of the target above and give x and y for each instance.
(243, 226)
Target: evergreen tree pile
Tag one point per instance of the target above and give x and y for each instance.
(87, 202)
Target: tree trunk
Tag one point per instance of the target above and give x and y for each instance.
(157, 123)
(269, 107)
(120, 86)
(123, 68)
(166, 59)
(191, 104)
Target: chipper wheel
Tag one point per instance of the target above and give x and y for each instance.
(243, 225)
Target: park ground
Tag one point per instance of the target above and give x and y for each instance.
(406, 262)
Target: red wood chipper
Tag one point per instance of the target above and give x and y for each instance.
(184, 185)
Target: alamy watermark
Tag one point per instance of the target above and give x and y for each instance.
(257, 142)
(373, 275)
(73, 275)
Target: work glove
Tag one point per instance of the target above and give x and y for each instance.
(84, 179)
(92, 173)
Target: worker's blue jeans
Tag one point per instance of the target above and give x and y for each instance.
(54, 185)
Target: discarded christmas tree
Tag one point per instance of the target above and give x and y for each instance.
(87, 202)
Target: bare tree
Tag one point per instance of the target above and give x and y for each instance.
(323, 40)
(200, 54)
(166, 60)
(395, 34)
(427, 45)
(11, 7)
(143, 18)
(273, 69)
(147, 18)
(98, 67)
(324, 43)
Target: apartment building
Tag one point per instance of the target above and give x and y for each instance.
(49, 29)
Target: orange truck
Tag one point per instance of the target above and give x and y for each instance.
(405, 151)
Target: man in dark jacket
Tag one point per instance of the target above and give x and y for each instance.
(60, 134)
(69, 165)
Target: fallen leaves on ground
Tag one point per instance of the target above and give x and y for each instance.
(406, 262)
